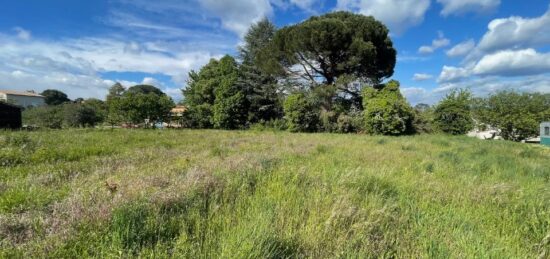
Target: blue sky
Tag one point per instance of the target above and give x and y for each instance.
(83, 47)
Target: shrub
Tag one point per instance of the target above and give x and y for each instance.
(328, 121)
(301, 113)
(516, 115)
(386, 110)
(453, 114)
(78, 115)
(423, 119)
(199, 116)
(44, 116)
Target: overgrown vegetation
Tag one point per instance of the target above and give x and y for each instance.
(227, 194)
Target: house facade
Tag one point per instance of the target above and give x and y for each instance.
(22, 99)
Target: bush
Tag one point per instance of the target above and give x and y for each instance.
(78, 115)
(453, 114)
(386, 110)
(199, 117)
(301, 114)
(328, 121)
(44, 116)
(423, 119)
(516, 115)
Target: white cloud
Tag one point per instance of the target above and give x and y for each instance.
(150, 81)
(306, 5)
(75, 65)
(422, 77)
(462, 48)
(238, 15)
(438, 43)
(513, 63)
(398, 15)
(464, 6)
(22, 33)
(451, 74)
(516, 32)
(491, 84)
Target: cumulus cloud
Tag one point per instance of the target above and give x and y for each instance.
(422, 77)
(516, 32)
(513, 63)
(464, 6)
(452, 74)
(398, 15)
(462, 48)
(438, 43)
(75, 65)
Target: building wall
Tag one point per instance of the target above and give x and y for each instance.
(25, 101)
(544, 139)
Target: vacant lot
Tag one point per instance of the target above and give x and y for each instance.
(263, 194)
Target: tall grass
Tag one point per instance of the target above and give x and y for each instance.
(235, 194)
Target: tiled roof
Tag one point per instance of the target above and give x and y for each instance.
(20, 93)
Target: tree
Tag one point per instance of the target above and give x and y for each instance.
(386, 110)
(100, 107)
(325, 48)
(79, 115)
(423, 118)
(145, 89)
(260, 87)
(516, 115)
(301, 113)
(214, 91)
(137, 104)
(452, 115)
(139, 107)
(115, 91)
(44, 116)
(54, 97)
(114, 104)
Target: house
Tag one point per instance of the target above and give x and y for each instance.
(22, 99)
(545, 133)
(10, 116)
(178, 111)
(176, 117)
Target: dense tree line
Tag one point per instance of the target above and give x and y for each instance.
(330, 73)
(136, 105)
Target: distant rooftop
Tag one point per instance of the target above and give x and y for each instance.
(21, 93)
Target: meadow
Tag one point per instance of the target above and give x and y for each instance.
(262, 194)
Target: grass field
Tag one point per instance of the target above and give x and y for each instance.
(237, 194)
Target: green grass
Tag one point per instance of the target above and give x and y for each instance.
(236, 194)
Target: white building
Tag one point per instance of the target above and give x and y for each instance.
(23, 99)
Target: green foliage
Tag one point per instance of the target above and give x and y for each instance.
(80, 115)
(301, 113)
(143, 102)
(337, 44)
(386, 110)
(516, 115)
(452, 115)
(54, 97)
(143, 89)
(423, 119)
(44, 116)
(214, 92)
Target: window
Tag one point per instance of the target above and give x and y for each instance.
(546, 131)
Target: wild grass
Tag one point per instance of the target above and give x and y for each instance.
(237, 194)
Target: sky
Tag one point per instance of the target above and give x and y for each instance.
(84, 47)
